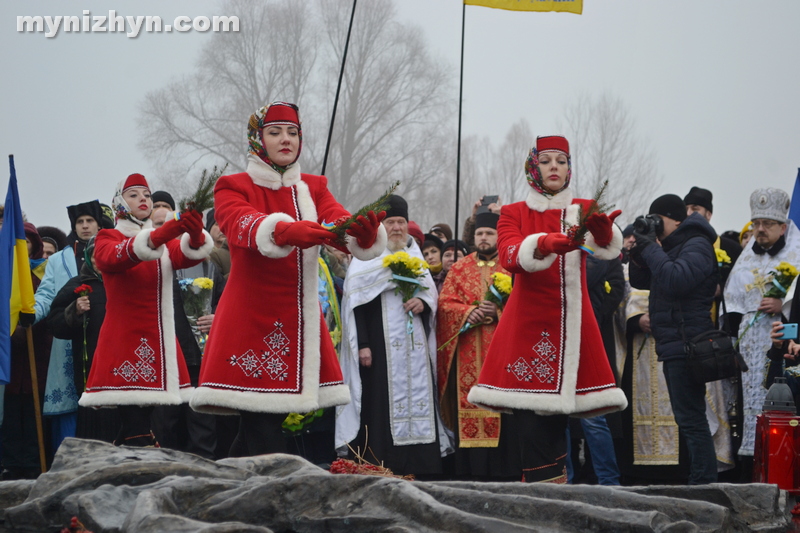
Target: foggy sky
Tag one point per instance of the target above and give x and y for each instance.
(712, 85)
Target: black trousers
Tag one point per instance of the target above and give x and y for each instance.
(543, 444)
(259, 433)
(179, 427)
(20, 442)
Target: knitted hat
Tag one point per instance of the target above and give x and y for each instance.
(107, 216)
(457, 245)
(442, 228)
(769, 203)
(486, 220)
(163, 196)
(398, 207)
(210, 219)
(432, 240)
(670, 206)
(549, 143)
(91, 209)
(747, 227)
(415, 231)
(628, 231)
(701, 197)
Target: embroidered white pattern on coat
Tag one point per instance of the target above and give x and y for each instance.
(269, 361)
(143, 369)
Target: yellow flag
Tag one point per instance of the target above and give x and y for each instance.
(567, 6)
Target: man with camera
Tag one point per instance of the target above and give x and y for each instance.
(674, 258)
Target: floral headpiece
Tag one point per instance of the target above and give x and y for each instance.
(120, 205)
(276, 113)
(550, 143)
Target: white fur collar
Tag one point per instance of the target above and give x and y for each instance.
(131, 229)
(540, 202)
(264, 175)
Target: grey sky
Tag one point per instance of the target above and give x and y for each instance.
(713, 86)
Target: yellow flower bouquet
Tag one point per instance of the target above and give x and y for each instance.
(196, 296)
(781, 279)
(497, 292)
(406, 273)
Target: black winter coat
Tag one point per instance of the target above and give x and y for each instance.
(681, 274)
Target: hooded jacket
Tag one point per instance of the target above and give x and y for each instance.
(682, 276)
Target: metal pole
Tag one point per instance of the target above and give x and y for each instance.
(460, 96)
(338, 88)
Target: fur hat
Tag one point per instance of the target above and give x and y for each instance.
(670, 206)
(54, 236)
(91, 209)
(769, 203)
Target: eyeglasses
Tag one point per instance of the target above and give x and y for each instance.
(766, 224)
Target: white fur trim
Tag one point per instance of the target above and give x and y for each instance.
(200, 253)
(219, 400)
(608, 252)
(264, 175)
(264, 236)
(141, 246)
(365, 254)
(599, 403)
(131, 229)
(541, 203)
(526, 251)
(174, 395)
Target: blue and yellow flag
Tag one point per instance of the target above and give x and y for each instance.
(16, 286)
(567, 6)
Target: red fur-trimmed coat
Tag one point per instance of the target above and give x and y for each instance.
(138, 360)
(269, 349)
(547, 354)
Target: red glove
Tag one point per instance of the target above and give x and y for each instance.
(170, 230)
(365, 229)
(303, 234)
(601, 226)
(193, 224)
(555, 243)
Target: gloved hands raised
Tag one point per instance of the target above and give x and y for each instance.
(601, 226)
(303, 234)
(193, 224)
(365, 229)
(170, 230)
(555, 243)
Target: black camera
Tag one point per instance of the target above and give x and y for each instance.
(648, 225)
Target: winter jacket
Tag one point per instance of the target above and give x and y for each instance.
(681, 274)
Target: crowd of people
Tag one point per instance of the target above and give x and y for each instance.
(547, 344)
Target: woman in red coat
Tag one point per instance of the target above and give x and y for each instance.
(138, 362)
(547, 360)
(269, 352)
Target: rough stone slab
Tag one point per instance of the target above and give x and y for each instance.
(124, 490)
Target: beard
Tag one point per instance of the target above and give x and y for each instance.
(487, 250)
(395, 243)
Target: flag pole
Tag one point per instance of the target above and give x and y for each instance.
(37, 407)
(338, 89)
(460, 97)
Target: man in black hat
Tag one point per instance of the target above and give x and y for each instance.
(674, 257)
(701, 201)
(487, 447)
(387, 353)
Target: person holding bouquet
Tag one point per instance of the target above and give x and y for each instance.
(546, 360)
(269, 352)
(388, 356)
(470, 305)
(138, 362)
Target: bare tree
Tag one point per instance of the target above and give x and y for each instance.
(395, 97)
(605, 144)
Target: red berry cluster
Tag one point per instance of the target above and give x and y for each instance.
(75, 526)
(346, 466)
